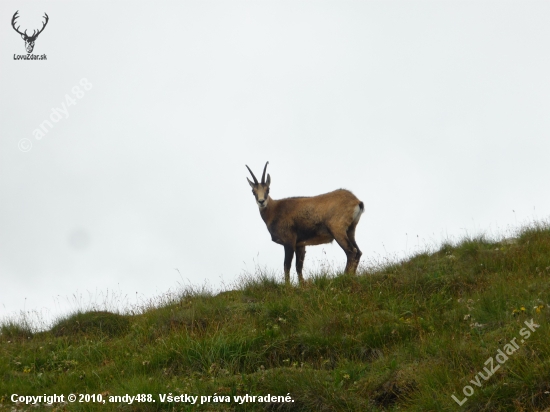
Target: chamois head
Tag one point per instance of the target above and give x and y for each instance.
(260, 190)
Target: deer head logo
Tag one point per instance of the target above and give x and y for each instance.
(29, 40)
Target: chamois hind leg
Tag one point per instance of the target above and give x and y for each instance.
(289, 254)
(300, 256)
(351, 251)
(351, 237)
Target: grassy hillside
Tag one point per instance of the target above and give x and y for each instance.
(406, 336)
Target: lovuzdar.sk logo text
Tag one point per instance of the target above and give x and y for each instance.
(29, 39)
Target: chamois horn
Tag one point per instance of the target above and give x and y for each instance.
(253, 177)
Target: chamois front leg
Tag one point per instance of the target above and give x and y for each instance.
(289, 254)
(300, 256)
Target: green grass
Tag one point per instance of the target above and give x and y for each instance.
(403, 336)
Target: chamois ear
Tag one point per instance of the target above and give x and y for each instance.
(268, 181)
(250, 183)
(263, 174)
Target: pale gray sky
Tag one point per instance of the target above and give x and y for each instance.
(435, 114)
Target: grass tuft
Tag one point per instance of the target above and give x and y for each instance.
(100, 323)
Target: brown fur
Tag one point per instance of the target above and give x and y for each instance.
(297, 222)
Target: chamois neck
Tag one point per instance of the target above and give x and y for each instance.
(267, 212)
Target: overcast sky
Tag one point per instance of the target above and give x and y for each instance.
(435, 114)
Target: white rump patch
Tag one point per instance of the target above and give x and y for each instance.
(357, 214)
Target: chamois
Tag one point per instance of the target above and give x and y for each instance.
(297, 222)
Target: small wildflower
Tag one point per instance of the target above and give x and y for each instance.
(468, 316)
(538, 308)
(346, 376)
(518, 311)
